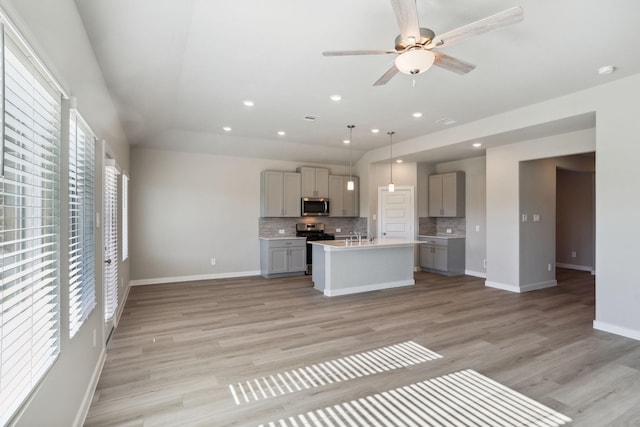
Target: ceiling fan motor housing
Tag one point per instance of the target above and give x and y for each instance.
(426, 35)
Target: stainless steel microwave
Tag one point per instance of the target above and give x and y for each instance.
(314, 206)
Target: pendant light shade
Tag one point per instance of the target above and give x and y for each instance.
(392, 187)
(350, 184)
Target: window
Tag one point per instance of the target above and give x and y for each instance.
(125, 217)
(82, 272)
(110, 240)
(29, 232)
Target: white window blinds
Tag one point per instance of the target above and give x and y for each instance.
(110, 240)
(125, 217)
(29, 242)
(82, 272)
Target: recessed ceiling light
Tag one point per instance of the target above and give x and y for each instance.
(606, 70)
(226, 129)
(346, 141)
(336, 98)
(248, 103)
(417, 114)
(446, 121)
(375, 130)
(399, 161)
(281, 133)
(477, 144)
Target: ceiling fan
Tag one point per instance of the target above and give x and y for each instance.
(414, 46)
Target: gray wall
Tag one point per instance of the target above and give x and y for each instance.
(56, 33)
(538, 185)
(187, 208)
(575, 219)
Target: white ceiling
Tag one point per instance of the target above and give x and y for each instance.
(179, 70)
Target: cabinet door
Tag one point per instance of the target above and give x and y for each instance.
(278, 260)
(308, 181)
(440, 258)
(291, 197)
(351, 201)
(298, 259)
(272, 194)
(337, 188)
(435, 196)
(426, 256)
(449, 194)
(322, 182)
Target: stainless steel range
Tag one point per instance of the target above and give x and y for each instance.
(312, 232)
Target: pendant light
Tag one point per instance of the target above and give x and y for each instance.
(392, 187)
(350, 185)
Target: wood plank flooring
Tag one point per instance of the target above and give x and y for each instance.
(178, 347)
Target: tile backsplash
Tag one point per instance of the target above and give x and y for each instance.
(268, 227)
(432, 226)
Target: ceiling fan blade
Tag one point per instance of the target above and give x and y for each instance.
(452, 64)
(502, 19)
(407, 16)
(387, 76)
(356, 52)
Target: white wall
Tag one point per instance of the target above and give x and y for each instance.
(55, 32)
(187, 208)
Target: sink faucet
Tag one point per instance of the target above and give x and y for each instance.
(359, 237)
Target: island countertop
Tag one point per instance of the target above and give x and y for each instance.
(346, 245)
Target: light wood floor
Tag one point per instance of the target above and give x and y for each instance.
(178, 347)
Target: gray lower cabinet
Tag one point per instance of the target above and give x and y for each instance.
(283, 257)
(442, 255)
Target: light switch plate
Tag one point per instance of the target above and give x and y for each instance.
(281, 231)
(338, 230)
(524, 218)
(536, 217)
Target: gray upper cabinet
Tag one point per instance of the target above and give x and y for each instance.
(315, 181)
(344, 203)
(447, 194)
(280, 194)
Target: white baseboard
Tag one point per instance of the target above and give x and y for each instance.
(502, 286)
(81, 416)
(161, 280)
(618, 330)
(536, 286)
(368, 288)
(475, 273)
(520, 289)
(574, 266)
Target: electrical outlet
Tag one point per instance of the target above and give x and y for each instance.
(574, 254)
(548, 267)
(213, 261)
(338, 230)
(449, 231)
(484, 263)
(536, 217)
(281, 231)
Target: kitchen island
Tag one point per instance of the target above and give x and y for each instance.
(341, 267)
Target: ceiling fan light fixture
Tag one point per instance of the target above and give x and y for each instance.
(415, 61)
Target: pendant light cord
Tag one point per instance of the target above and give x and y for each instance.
(391, 156)
(350, 149)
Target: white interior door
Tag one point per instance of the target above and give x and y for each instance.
(396, 212)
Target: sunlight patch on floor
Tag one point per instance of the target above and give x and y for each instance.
(347, 368)
(460, 399)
